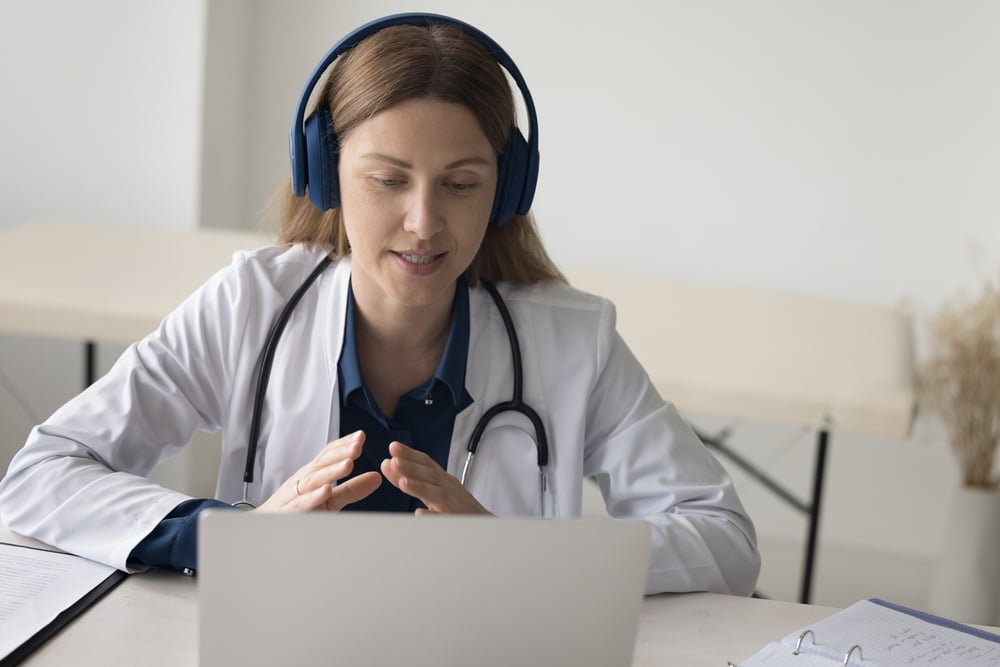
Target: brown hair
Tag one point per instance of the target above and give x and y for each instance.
(406, 62)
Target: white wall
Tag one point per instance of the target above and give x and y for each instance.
(102, 110)
(100, 120)
(845, 149)
(225, 142)
(838, 148)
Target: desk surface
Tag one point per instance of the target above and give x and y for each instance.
(110, 283)
(152, 619)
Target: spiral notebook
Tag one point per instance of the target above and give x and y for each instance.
(876, 633)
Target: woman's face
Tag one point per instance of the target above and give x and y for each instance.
(417, 184)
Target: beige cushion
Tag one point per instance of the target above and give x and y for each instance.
(756, 354)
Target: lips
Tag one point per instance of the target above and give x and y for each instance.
(415, 258)
(420, 263)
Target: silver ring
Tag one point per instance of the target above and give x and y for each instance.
(297, 492)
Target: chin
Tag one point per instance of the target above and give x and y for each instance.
(423, 291)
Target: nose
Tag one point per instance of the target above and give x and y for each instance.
(424, 213)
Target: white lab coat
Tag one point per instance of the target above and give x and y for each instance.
(80, 481)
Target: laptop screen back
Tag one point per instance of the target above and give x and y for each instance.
(395, 589)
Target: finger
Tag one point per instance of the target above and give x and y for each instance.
(326, 475)
(401, 451)
(289, 501)
(353, 490)
(347, 447)
(413, 463)
(335, 462)
(440, 492)
(398, 472)
(427, 489)
(429, 494)
(315, 499)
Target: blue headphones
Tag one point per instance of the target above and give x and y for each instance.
(313, 147)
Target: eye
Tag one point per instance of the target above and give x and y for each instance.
(387, 182)
(461, 186)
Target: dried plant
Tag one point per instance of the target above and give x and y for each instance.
(960, 381)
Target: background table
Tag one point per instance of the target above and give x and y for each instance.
(103, 282)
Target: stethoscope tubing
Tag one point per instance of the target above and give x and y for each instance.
(516, 404)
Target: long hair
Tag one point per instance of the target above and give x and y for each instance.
(408, 62)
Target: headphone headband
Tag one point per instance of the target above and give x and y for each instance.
(302, 163)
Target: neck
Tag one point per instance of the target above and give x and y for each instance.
(415, 336)
(400, 347)
(397, 327)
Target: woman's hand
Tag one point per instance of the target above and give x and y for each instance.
(310, 488)
(418, 475)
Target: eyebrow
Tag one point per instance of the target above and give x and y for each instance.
(406, 165)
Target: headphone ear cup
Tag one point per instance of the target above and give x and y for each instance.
(512, 169)
(322, 150)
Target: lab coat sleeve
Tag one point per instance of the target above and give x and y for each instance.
(649, 464)
(80, 482)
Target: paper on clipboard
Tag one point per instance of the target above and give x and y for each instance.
(40, 591)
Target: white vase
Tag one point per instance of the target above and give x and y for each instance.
(966, 582)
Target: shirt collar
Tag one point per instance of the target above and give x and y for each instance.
(451, 369)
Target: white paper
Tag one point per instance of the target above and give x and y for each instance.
(36, 586)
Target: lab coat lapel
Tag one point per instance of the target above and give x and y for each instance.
(336, 307)
(488, 356)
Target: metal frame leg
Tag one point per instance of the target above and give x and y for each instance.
(812, 509)
(812, 535)
(89, 363)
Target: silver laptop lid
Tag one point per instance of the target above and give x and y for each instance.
(360, 589)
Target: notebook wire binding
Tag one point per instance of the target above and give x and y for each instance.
(802, 637)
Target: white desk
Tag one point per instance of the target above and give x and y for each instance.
(152, 619)
(766, 355)
(101, 282)
(111, 283)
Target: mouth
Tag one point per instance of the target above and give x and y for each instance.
(420, 263)
(419, 259)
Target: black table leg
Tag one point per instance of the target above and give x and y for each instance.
(89, 363)
(822, 439)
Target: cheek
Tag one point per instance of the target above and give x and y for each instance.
(474, 237)
(366, 217)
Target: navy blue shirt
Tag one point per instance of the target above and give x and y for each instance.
(425, 415)
(424, 420)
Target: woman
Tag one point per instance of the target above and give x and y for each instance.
(418, 187)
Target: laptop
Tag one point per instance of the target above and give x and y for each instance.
(380, 589)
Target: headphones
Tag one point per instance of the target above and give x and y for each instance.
(313, 146)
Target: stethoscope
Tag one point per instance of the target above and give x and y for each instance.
(515, 404)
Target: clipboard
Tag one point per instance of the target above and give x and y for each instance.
(61, 606)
